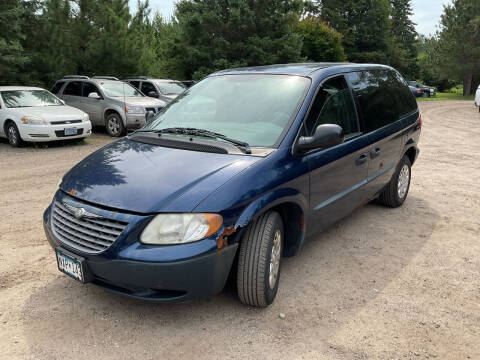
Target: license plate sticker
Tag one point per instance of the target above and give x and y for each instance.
(69, 266)
(71, 131)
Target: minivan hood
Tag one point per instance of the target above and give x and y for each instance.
(50, 113)
(145, 178)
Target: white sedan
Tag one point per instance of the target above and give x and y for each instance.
(36, 115)
(477, 98)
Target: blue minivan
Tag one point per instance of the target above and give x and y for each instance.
(232, 176)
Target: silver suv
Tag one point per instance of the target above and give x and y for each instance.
(163, 89)
(108, 102)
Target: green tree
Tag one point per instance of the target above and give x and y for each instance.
(217, 34)
(404, 51)
(52, 43)
(459, 44)
(365, 26)
(320, 41)
(13, 58)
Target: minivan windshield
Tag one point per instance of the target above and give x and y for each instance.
(170, 88)
(119, 89)
(29, 98)
(255, 108)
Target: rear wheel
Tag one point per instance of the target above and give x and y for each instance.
(396, 191)
(13, 134)
(259, 261)
(114, 125)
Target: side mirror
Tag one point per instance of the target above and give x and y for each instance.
(149, 116)
(62, 101)
(153, 94)
(326, 135)
(94, 95)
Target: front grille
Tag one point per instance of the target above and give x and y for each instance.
(90, 235)
(154, 110)
(65, 122)
(61, 133)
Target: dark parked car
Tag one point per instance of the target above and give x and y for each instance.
(416, 92)
(232, 176)
(427, 90)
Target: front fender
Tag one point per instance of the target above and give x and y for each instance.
(119, 110)
(269, 201)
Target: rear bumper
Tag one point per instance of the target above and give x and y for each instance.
(201, 275)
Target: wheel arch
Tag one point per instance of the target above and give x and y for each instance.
(291, 205)
(411, 153)
(114, 110)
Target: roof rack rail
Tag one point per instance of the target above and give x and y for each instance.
(75, 77)
(105, 77)
(136, 77)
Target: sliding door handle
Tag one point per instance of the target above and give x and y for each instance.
(361, 159)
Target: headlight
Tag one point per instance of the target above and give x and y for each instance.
(166, 229)
(33, 120)
(134, 109)
(86, 118)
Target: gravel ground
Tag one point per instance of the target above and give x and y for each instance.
(381, 284)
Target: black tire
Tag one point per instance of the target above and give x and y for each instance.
(392, 196)
(114, 125)
(253, 275)
(13, 135)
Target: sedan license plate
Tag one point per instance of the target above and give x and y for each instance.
(71, 131)
(69, 266)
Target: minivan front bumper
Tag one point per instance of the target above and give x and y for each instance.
(128, 268)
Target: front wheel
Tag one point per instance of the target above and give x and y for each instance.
(114, 125)
(13, 134)
(396, 191)
(259, 260)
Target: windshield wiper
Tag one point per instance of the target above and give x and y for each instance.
(202, 132)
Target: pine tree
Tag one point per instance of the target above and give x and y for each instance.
(13, 58)
(217, 34)
(459, 43)
(404, 51)
(365, 26)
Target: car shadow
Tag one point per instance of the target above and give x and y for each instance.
(331, 279)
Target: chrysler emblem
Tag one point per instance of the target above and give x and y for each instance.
(80, 212)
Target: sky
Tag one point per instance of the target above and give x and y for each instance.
(426, 12)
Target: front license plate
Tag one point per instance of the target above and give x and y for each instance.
(71, 131)
(70, 266)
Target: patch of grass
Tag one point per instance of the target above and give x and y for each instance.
(447, 96)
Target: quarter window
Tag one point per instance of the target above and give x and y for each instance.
(73, 88)
(333, 104)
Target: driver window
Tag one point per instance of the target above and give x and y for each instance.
(333, 105)
(148, 87)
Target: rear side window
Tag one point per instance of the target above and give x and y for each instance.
(373, 90)
(333, 104)
(73, 88)
(56, 88)
(89, 88)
